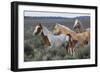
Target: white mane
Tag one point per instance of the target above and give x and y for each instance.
(78, 21)
(46, 31)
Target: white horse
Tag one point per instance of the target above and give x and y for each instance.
(50, 40)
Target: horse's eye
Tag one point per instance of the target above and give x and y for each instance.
(39, 28)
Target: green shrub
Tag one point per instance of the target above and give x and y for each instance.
(83, 52)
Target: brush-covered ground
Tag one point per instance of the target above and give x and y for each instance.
(34, 51)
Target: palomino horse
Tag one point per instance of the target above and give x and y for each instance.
(82, 38)
(50, 40)
(78, 27)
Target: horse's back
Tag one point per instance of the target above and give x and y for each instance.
(60, 40)
(63, 37)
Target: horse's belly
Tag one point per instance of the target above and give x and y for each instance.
(56, 43)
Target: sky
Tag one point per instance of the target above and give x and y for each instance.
(53, 14)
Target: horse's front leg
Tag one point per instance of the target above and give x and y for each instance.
(67, 48)
(71, 51)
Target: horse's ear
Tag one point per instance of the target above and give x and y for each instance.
(40, 24)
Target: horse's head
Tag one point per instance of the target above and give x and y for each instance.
(57, 29)
(38, 29)
(77, 24)
(42, 30)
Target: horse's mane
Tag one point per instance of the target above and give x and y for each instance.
(65, 27)
(46, 31)
(80, 23)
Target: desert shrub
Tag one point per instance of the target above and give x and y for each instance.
(42, 54)
(28, 52)
(37, 42)
(83, 52)
(27, 49)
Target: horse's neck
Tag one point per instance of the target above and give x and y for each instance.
(46, 36)
(45, 40)
(81, 28)
(68, 29)
(72, 33)
(46, 31)
(68, 32)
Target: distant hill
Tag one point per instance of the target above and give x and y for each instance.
(50, 21)
(80, 17)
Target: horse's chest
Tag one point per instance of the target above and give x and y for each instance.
(46, 41)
